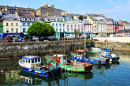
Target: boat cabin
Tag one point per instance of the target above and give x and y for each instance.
(62, 59)
(31, 61)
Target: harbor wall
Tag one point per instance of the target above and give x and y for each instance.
(114, 39)
(18, 50)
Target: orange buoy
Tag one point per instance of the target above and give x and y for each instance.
(2, 71)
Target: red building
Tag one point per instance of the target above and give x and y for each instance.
(115, 28)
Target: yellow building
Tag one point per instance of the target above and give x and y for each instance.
(10, 26)
(63, 12)
(93, 21)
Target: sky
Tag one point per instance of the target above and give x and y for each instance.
(115, 9)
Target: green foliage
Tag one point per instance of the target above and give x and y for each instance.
(56, 43)
(87, 44)
(80, 17)
(76, 31)
(48, 44)
(40, 29)
(90, 44)
(72, 16)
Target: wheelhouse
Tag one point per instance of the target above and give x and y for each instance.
(31, 61)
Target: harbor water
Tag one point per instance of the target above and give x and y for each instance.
(112, 74)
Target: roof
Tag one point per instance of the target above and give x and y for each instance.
(17, 7)
(30, 57)
(123, 31)
(10, 17)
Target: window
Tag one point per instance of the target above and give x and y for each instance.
(60, 25)
(24, 24)
(12, 30)
(7, 30)
(38, 59)
(67, 25)
(71, 25)
(23, 18)
(75, 25)
(16, 24)
(79, 29)
(78, 25)
(56, 25)
(71, 29)
(42, 13)
(67, 29)
(32, 19)
(28, 61)
(63, 30)
(35, 60)
(32, 60)
(24, 30)
(60, 30)
(28, 19)
(23, 60)
(11, 24)
(56, 30)
(6, 24)
(63, 25)
(28, 24)
(16, 30)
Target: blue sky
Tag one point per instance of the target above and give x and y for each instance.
(115, 9)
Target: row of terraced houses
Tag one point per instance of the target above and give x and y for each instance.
(16, 20)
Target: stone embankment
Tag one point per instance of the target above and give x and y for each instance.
(113, 46)
(18, 50)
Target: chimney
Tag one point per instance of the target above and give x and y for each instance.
(46, 5)
(28, 6)
(120, 22)
(101, 14)
(52, 6)
(91, 14)
(7, 5)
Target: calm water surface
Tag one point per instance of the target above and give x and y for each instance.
(113, 74)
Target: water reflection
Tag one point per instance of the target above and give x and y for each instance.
(102, 75)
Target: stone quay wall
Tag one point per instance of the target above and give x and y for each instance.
(21, 49)
(114, 39)
(113, 46)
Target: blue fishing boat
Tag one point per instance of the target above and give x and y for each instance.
(32, 64)
(110, 54)
(80, 56)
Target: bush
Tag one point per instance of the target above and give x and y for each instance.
(56, 43)
(48, 44)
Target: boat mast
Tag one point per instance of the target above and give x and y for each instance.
(85, 36)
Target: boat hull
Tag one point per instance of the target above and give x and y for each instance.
(43, 73)
(91, 60)
(71, 68)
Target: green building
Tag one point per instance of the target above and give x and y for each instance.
(1, 25)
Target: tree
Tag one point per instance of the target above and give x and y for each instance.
(76, 31)
(40, 29)
(72, 16)
(80, 17)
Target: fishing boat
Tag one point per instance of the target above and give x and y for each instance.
(93, 49)
(61, 61)
(110, 54)
(32, 64)
(80, 56)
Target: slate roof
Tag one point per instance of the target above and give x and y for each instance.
(10, 17)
